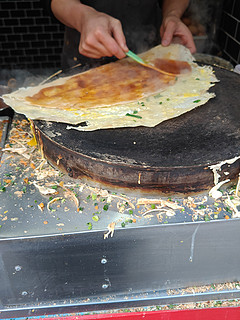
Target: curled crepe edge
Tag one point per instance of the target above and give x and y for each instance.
(173, 51)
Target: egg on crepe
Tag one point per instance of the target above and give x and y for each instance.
(122, 93)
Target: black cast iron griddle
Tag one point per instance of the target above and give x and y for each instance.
(173, 156)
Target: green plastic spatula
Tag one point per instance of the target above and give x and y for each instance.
(136, 58)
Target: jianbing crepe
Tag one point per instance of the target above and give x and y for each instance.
(122, 93)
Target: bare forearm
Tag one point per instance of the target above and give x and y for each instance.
(174, 8)
(101, 34)
(69, 12)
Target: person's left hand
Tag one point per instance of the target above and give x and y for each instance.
(174, 30)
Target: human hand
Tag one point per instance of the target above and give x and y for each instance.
(101, 35)
(174, 30)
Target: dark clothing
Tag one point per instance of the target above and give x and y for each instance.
(141, 20)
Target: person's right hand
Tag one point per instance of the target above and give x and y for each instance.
(101, 35)
(175, 31)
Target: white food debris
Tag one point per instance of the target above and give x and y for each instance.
(236, 213)
(110, 231)
(21, 151)
(217, 167)
(214, 192)
(44, 190)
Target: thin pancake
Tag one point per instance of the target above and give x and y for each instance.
(121, 94)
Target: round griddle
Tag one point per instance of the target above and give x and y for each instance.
(173, 156)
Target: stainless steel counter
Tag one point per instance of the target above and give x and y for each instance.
(53, 255)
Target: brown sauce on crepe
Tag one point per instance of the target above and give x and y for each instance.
(172, 66)
(110, 84)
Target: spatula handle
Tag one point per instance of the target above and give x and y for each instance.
(134, 57)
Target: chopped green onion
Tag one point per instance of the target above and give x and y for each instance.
(133, 115)
(89, 226)
(8, 174)
(94, 196)
(206, 217)
(196, 101)
(105, 207)
(228, 209)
